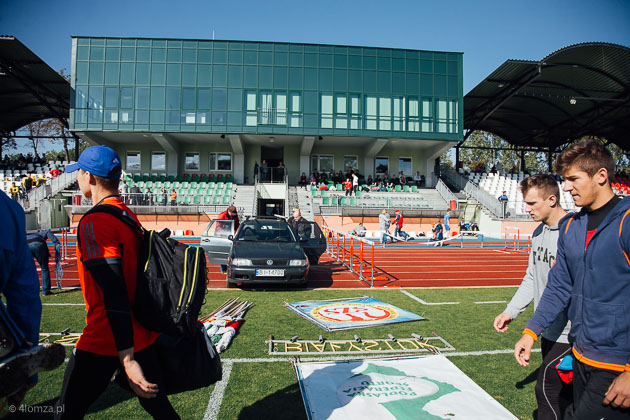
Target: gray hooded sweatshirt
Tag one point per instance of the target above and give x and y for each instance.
(384, 222)
(541, 259)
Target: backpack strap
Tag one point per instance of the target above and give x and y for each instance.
(117, 212)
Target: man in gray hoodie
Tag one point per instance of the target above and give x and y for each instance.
(383, 224)
(541, 195)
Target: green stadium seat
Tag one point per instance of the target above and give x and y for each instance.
(128, 177)
(188, 199)
(353, 201)
(197, 200)
(180, 199)
(162, 177)
(229, 178)
(146, 178)
(344, 201)
(154, 178)
(397, 188)
(140, 184)
(314, 193)
(324, 193)
(226, 199)
(339, 187)
(149, 184)
(211, 185)
(171, 178)
(414, 188)
(228, 185)
(137, 177)
(158, 184)
(358, 194)
(167, 184)
(220, 185)
(186, 184)
(216, 199)
(390, 189)
(406, 188)
(326, 201)
(207, 199)
(131, 184)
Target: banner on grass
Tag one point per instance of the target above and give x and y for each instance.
(344, 314)
(429, 387)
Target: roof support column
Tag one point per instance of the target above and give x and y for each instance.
(305, 153)
(431, 154)
(171, 146)
(238, 164)
(372, 150)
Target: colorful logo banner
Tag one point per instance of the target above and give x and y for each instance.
(351, 313)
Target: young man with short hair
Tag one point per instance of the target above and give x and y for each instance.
(384, 221)
(447, 223)
(107, 257)
(541, 195)
(591, 277)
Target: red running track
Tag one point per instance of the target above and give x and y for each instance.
(394, 267)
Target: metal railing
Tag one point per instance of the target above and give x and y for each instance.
(445, 192)
(473, 191)
(271, 175)
(36, 195)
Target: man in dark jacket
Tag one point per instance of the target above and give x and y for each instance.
(591, 277)
(229, 214)
(39, 250)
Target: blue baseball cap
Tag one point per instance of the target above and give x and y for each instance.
(98, 160)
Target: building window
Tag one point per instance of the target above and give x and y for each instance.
(399, 114)
(381, 165)
(385, 114)
(413, 123)
(133, 161)
(355, 112)
(427, 115)
(296, 110)
(350, 163)
(220, 162)
(250, 109)
(192, 161)
(326, 111)
(370, 113)
(158, 161)
(322, 163)
(404, 166)
(341, 113)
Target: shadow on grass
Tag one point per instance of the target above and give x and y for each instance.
(280, 405)
(527, 380)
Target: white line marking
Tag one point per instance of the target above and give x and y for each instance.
(502, 252)
(490, 301)
(416, 298)
(216, 398)
(63, 304)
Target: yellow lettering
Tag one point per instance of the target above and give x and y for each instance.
(372, 345)
(319, 347)
(353, 346)
(388, 345)
(407, 341)
(293, 347)
(332, 346)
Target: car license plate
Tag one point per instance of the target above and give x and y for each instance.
(263, 272)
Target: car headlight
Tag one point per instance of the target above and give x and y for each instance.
(240, 262)
(298, 263)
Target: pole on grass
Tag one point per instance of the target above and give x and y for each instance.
(352, 254)
(372, 285)
(361, 261)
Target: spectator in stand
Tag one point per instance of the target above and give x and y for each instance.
(164, 193)
(503, 199)
(369, 181)
(348, 187)
(339, 177)
(256, 169)
(55, 172)
(384, 221)
(14, 191)
(136, 196)
(148, 197)
(280, 171)
(263, 171)
(402, 179)
(355, 182)
(39, 249)
(417, 179)
(124, 190)
(173, 197)
(386, 177)
(41, 180)
(27, 183)
(312, 179)
(303, 180)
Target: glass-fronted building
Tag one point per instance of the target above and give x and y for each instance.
(175, 106)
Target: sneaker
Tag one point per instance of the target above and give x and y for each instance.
(15, 370)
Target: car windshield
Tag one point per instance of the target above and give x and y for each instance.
(261, 230)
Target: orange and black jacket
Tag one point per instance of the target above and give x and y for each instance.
(592, 279)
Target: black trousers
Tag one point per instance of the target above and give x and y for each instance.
(549, 386)
(589, 387)
(88, 374)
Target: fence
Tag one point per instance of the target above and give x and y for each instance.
(341, 247)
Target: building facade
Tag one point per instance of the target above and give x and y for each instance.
(199, 106)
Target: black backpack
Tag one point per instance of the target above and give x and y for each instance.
(172, 279)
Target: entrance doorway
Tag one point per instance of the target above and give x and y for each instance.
(270, 207)
(273, 155)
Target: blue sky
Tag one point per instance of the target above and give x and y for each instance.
(488, 32)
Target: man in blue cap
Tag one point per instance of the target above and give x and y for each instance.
(107, 256)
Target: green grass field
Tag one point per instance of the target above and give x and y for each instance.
(260, 389)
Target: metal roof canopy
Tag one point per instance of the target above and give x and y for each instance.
(579, 90)
(29, 89)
